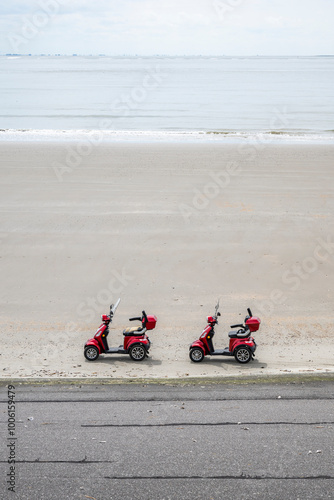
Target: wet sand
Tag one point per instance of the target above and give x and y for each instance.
(169, 228)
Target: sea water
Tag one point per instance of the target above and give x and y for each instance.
(167, 98)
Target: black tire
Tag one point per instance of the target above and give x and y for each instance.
(196, 354)
(137, 352)
(242, 354)
(91, 353)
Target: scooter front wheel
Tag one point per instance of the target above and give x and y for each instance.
(242, 354)
(91, 353)
(137, 352)
(196, 354)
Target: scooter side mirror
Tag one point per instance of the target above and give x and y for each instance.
(218, 314)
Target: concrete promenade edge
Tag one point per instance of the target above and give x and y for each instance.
(252, 379)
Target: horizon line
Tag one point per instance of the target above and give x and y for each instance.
(42, 54)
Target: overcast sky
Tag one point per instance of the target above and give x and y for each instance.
(176, 27)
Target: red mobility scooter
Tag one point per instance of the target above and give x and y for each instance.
(136, 342)
(242, 346)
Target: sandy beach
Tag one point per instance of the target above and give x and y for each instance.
(169, 228)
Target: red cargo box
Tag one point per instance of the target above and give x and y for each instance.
(151, 321)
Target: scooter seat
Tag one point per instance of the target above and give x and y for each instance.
(240, 335)
(134, 330)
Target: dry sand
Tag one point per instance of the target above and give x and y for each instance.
(131, 220)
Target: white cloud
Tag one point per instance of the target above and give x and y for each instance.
(233, 27)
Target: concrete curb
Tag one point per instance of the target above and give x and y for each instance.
(249, 379)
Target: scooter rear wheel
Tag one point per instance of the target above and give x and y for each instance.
(196, 354)
(242, 354)
(137, 352)
(91, 353)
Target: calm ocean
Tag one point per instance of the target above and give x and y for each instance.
(210, 98)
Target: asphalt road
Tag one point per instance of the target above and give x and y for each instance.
(153, 442)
